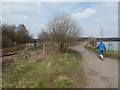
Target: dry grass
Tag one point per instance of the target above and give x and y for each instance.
(38, 72)
(13, 49)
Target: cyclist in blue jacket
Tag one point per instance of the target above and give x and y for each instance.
(101, 47)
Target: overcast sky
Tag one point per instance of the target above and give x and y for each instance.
(90, 16)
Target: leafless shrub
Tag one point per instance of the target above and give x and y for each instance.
(93, 41)
(43, 36)
(63, 30)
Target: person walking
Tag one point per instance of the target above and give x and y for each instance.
(102, 48)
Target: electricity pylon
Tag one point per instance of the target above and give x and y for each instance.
(101, 33)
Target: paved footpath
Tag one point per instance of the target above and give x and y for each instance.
(98, 74)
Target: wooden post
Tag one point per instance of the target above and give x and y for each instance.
(43, 50)
(94, 45)
(109, 45)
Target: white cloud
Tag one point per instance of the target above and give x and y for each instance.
(60, 0)
(19, 17)
(20, 11)
(35, 15)
(107, 21)
(20, 8)
(108, 8)
(39, 25)
(14, 19)
(85, 14)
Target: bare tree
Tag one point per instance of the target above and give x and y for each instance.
(23, 34)
(43, 36)
(8, 35)
(64, 30)
(12, 34)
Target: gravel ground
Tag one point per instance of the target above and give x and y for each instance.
(98, 73)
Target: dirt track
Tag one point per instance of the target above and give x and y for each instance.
(98, 74)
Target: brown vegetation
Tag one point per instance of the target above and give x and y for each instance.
(43, 36)
(12, 35)
(13, 49)
(63, 30)
(93, 41)
(6, 61)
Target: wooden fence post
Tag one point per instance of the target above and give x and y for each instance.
(109, 45)
(43, 50)
(94, 45)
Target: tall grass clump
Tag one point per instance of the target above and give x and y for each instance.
(92, 42)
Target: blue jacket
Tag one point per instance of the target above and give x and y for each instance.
(101, 47)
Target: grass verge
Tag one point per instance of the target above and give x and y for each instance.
(38, 72)
(109, 53)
